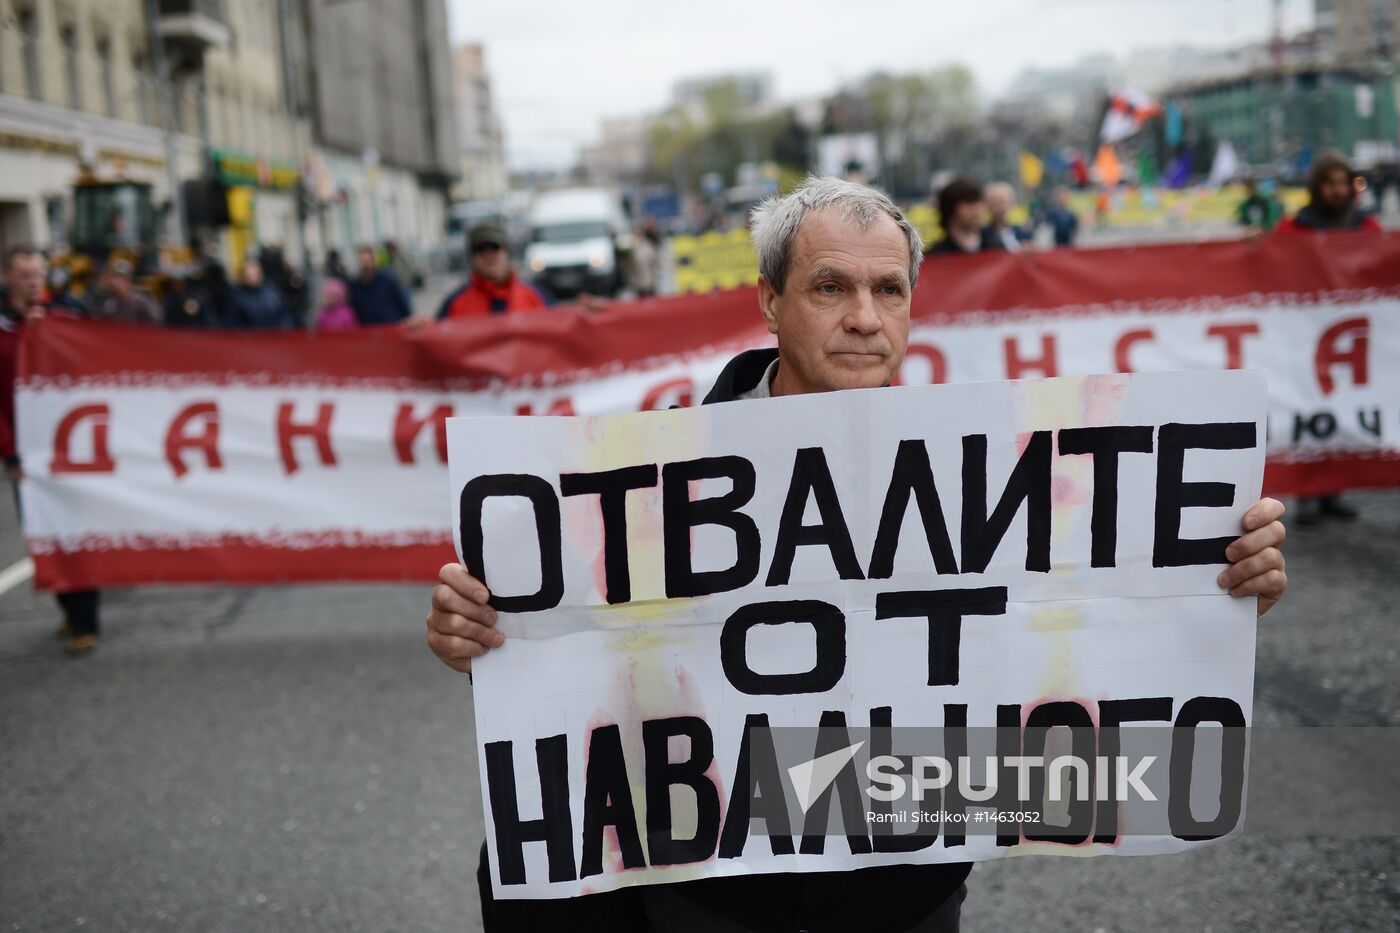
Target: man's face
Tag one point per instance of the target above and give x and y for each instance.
(970, 215)
(489, 261)
(842, 321)
(1336, 191)
(367, 264)
(24, 280)
(252, 274)
(120, 284)
(999, 203)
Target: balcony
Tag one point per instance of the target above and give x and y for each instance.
(194, 24)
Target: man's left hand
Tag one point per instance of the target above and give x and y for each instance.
(1256, 563)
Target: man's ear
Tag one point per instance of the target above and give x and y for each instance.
(767, 303)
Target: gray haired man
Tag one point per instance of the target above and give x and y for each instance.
(838, 265)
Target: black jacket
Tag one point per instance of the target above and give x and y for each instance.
(741, 375)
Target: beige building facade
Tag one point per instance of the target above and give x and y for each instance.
(1360, 32)
(324, 123)
(75, 93)
(479, 132)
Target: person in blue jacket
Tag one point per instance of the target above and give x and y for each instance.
(253, 304)
(376, 296)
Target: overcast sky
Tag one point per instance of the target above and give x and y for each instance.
(560, 65)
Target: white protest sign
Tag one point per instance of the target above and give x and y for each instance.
(678, 588)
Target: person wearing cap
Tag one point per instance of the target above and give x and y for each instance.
(120, 300)
(494, 288)
(376, 296)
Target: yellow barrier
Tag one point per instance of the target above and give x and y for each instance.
(726, 260)
(1131, 208)
(714, 260)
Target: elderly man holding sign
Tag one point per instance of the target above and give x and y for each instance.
(838, 266)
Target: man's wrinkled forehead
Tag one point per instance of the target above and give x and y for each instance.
(830, 243)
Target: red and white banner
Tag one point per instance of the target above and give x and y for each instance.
(163, 456)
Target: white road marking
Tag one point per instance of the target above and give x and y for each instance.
(15, 574)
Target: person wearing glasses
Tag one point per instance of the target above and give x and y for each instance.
(493, 288)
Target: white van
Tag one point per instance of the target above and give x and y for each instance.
(574, 237)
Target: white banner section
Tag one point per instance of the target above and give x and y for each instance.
(681, 590)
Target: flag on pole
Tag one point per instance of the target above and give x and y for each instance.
(1032, 170)
(1226, 165)
(1147, 168)
(1080, 171)
(1127, 112)
(1180, 171)
(1107, 167)
(1176, 130)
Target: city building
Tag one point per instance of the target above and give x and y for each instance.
(299, 123)
(752, 90)
(1360, 32)
(255, 143)
(621, 154)
(375, 79)
(1278, 118)
(77, 101)
(479, 133)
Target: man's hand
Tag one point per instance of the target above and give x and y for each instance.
(1256, 563)
(461, 624)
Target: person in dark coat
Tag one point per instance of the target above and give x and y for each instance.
(376, 295)
(962, 214)
(22, 305)
(837, 294)
(253, 304)
(1062, 220)
(186, 304)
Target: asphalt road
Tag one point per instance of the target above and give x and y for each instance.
(294, 759)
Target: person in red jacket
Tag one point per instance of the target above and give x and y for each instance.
(1331, 207)
(494, 288)
(26, 301)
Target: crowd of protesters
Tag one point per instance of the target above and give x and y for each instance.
(268, 293)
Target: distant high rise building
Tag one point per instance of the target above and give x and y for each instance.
(620, 154)
(377, 79)
(479, 134)
(1359, 31)
(753, 88)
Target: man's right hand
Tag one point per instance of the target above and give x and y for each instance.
(461, 626)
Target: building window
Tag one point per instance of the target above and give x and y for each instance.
(29, 39)
(140, 86)
(104, 70)
(55, 212)
(68, 38)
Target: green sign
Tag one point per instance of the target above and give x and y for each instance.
(239, 168)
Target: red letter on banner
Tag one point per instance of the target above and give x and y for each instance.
(683, 390)
(1355, 356)
(407, 426)
(320, 429)
(1017, 365)
(178, 440)
(1233, 335)
(937, 364)
(101, 461)
(1125, 344)
(560, 406)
